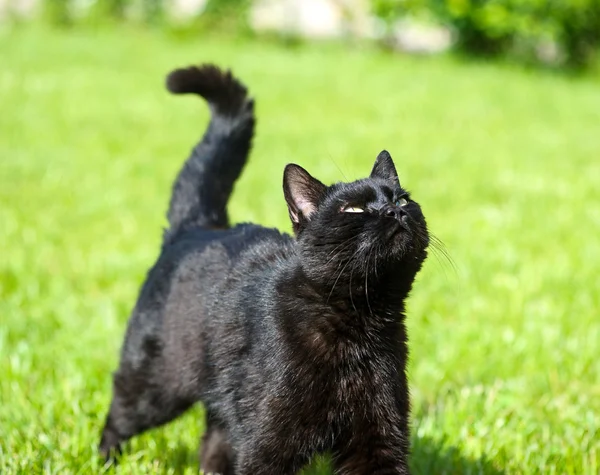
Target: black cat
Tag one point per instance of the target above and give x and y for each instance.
(295, 346)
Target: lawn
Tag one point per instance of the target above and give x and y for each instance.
(505, 372)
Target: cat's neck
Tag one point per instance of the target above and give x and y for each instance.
(342, 325)
(388, 282)
(375, 298)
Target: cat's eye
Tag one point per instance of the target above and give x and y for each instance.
(352, 209)
(401, 202)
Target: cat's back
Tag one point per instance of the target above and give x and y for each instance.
(199, 262)
(229, 247)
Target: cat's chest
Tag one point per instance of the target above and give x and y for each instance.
(334, 398)
(359, 373)
(347, 374)
(342, 364)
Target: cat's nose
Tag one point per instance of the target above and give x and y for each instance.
(394, 212)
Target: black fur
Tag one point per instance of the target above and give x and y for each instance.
(295, 346)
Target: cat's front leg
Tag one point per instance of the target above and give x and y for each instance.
(373, 455)
(270, 456)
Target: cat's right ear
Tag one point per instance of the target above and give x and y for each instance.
(384, 168)
(302, 193)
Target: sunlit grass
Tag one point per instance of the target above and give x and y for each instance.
(504, 372)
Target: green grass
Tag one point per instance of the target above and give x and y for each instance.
(505, 374)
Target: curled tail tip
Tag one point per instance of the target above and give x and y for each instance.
(197, 79)
(226, 94)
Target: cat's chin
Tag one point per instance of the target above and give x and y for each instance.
(402, 244)
(399, 234)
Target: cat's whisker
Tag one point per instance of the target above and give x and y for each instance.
(337, 166)
(350, 284)
(340, 264)
(341, 272)
(351, 238)
(355, 264)
(367, 282)
(347, 241)
(376, 252)
(441, 253)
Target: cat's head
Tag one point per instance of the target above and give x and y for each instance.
(366, 225)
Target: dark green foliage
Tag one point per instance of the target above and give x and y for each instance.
(522, 27)
(518, 28)
(580, 30)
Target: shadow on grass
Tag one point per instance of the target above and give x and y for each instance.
(429, 456)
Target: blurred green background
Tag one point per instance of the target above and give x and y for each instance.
(497, 136)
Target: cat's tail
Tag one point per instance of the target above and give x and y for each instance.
(204, 184)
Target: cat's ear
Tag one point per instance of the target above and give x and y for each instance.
(302, 193)
(384, 168)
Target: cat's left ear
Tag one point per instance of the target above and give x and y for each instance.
(384, 168)
(302, 193)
